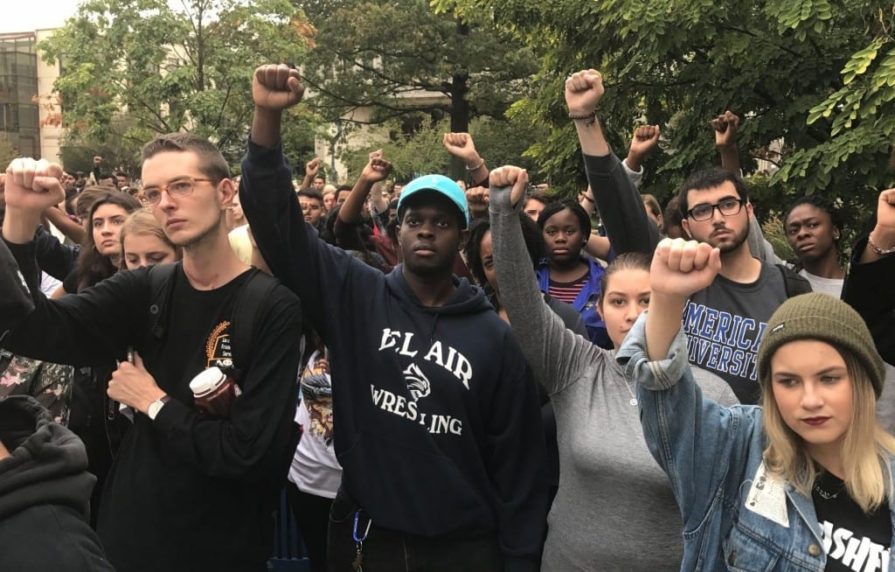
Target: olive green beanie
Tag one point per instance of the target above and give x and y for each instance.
(825, 318)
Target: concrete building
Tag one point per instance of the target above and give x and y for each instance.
(30, 114)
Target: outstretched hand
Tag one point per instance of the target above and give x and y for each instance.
(276, 87)
(681, 267)
(726, 127)
(509, 176)
(583, 91)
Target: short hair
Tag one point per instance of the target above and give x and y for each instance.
(310, 194)
(557, 206)
(341, 188)
(320, 176)
(121, 174)
(652, 204)
(819, 203)
(539, 196)
(534, 244)
(672, 215)
(709, 179)
(211, 161)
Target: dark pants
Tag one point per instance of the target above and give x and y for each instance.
(391, 551)
(312, 515)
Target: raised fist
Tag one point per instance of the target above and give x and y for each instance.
(462, 146)
(377, 169)
(97, 160)
(33, 185)
(682, 267)
(645, 139)
(509, 176)
(276, 87)
(583, 92)
(312, 167)
(726, 126)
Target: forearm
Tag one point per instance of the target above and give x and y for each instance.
(598, 246)
(621, 208)
(266, 127)
(352, 209)
(883, 239)
(74, 231)
(663, 324)
(730, 158)
(19, 225)
(591, 138)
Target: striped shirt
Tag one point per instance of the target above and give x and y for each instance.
(568, 291)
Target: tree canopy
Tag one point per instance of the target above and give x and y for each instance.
(135, 68)
(818, 75)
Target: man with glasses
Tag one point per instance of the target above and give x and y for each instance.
(189, 490)
(725, 322)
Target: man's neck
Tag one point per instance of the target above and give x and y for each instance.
(827, 266)
(210, 263)
(431, 291)
(740, 266)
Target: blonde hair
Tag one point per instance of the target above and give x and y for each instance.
(144, 222)
(866, 448)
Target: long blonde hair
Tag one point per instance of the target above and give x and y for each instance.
(866, 449)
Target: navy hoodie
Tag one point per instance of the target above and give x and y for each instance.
(438, 426)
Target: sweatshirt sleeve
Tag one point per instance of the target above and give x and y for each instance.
(555, 354)
(88, 329)
(253, 441)
(620, 206)
(325, 278)
(516, 459)
(868, 289)
(700, 445)
(53, 257)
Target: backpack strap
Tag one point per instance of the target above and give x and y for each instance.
(793, 284)
(245, 319)
(161, 287)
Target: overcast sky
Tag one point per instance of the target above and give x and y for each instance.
(30, 15)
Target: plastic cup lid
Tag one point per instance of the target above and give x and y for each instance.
(207, 380)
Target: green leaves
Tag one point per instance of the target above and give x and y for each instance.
(133, 68)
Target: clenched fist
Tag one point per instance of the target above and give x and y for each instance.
(276, 87)
(583, 91)
(726, 126)
(462, 146)
(682, 267)
(509, 176)
(33, 186)
(377, 168)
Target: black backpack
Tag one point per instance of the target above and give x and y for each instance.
(256, 289)
(793, 284)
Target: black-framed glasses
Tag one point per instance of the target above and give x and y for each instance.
(180, 187)
(727, 207)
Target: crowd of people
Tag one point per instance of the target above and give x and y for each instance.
(442, 374)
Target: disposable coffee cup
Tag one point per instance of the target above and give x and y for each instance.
(214, 392)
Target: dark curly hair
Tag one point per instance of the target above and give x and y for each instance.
(92, 266)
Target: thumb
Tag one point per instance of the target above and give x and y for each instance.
(519, 186)
(138, 361)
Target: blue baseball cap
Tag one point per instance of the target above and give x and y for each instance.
(438, 184)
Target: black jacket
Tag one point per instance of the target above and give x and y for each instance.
(438, 427)
(870, 289)
(44, 493)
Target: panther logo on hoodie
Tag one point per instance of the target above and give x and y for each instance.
(417, 382)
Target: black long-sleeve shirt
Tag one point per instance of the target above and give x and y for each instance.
(187, 492)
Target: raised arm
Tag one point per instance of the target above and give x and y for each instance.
(701, 445)
(726, 126)
(462, 146)
(325, 278)
(554, 353)
(312, 167)
(868, 286)
(621, 208)
(377, 169)
(643, 142)
(71, 229)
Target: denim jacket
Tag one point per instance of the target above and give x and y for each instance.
(585, 303)
(736, 516)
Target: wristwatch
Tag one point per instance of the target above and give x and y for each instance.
(156, 406)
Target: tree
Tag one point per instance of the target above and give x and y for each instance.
(499, 142)
(7, 154)
(677, 63)
(400, 58)
(135, 68)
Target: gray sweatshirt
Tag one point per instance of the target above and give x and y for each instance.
(614, 509)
